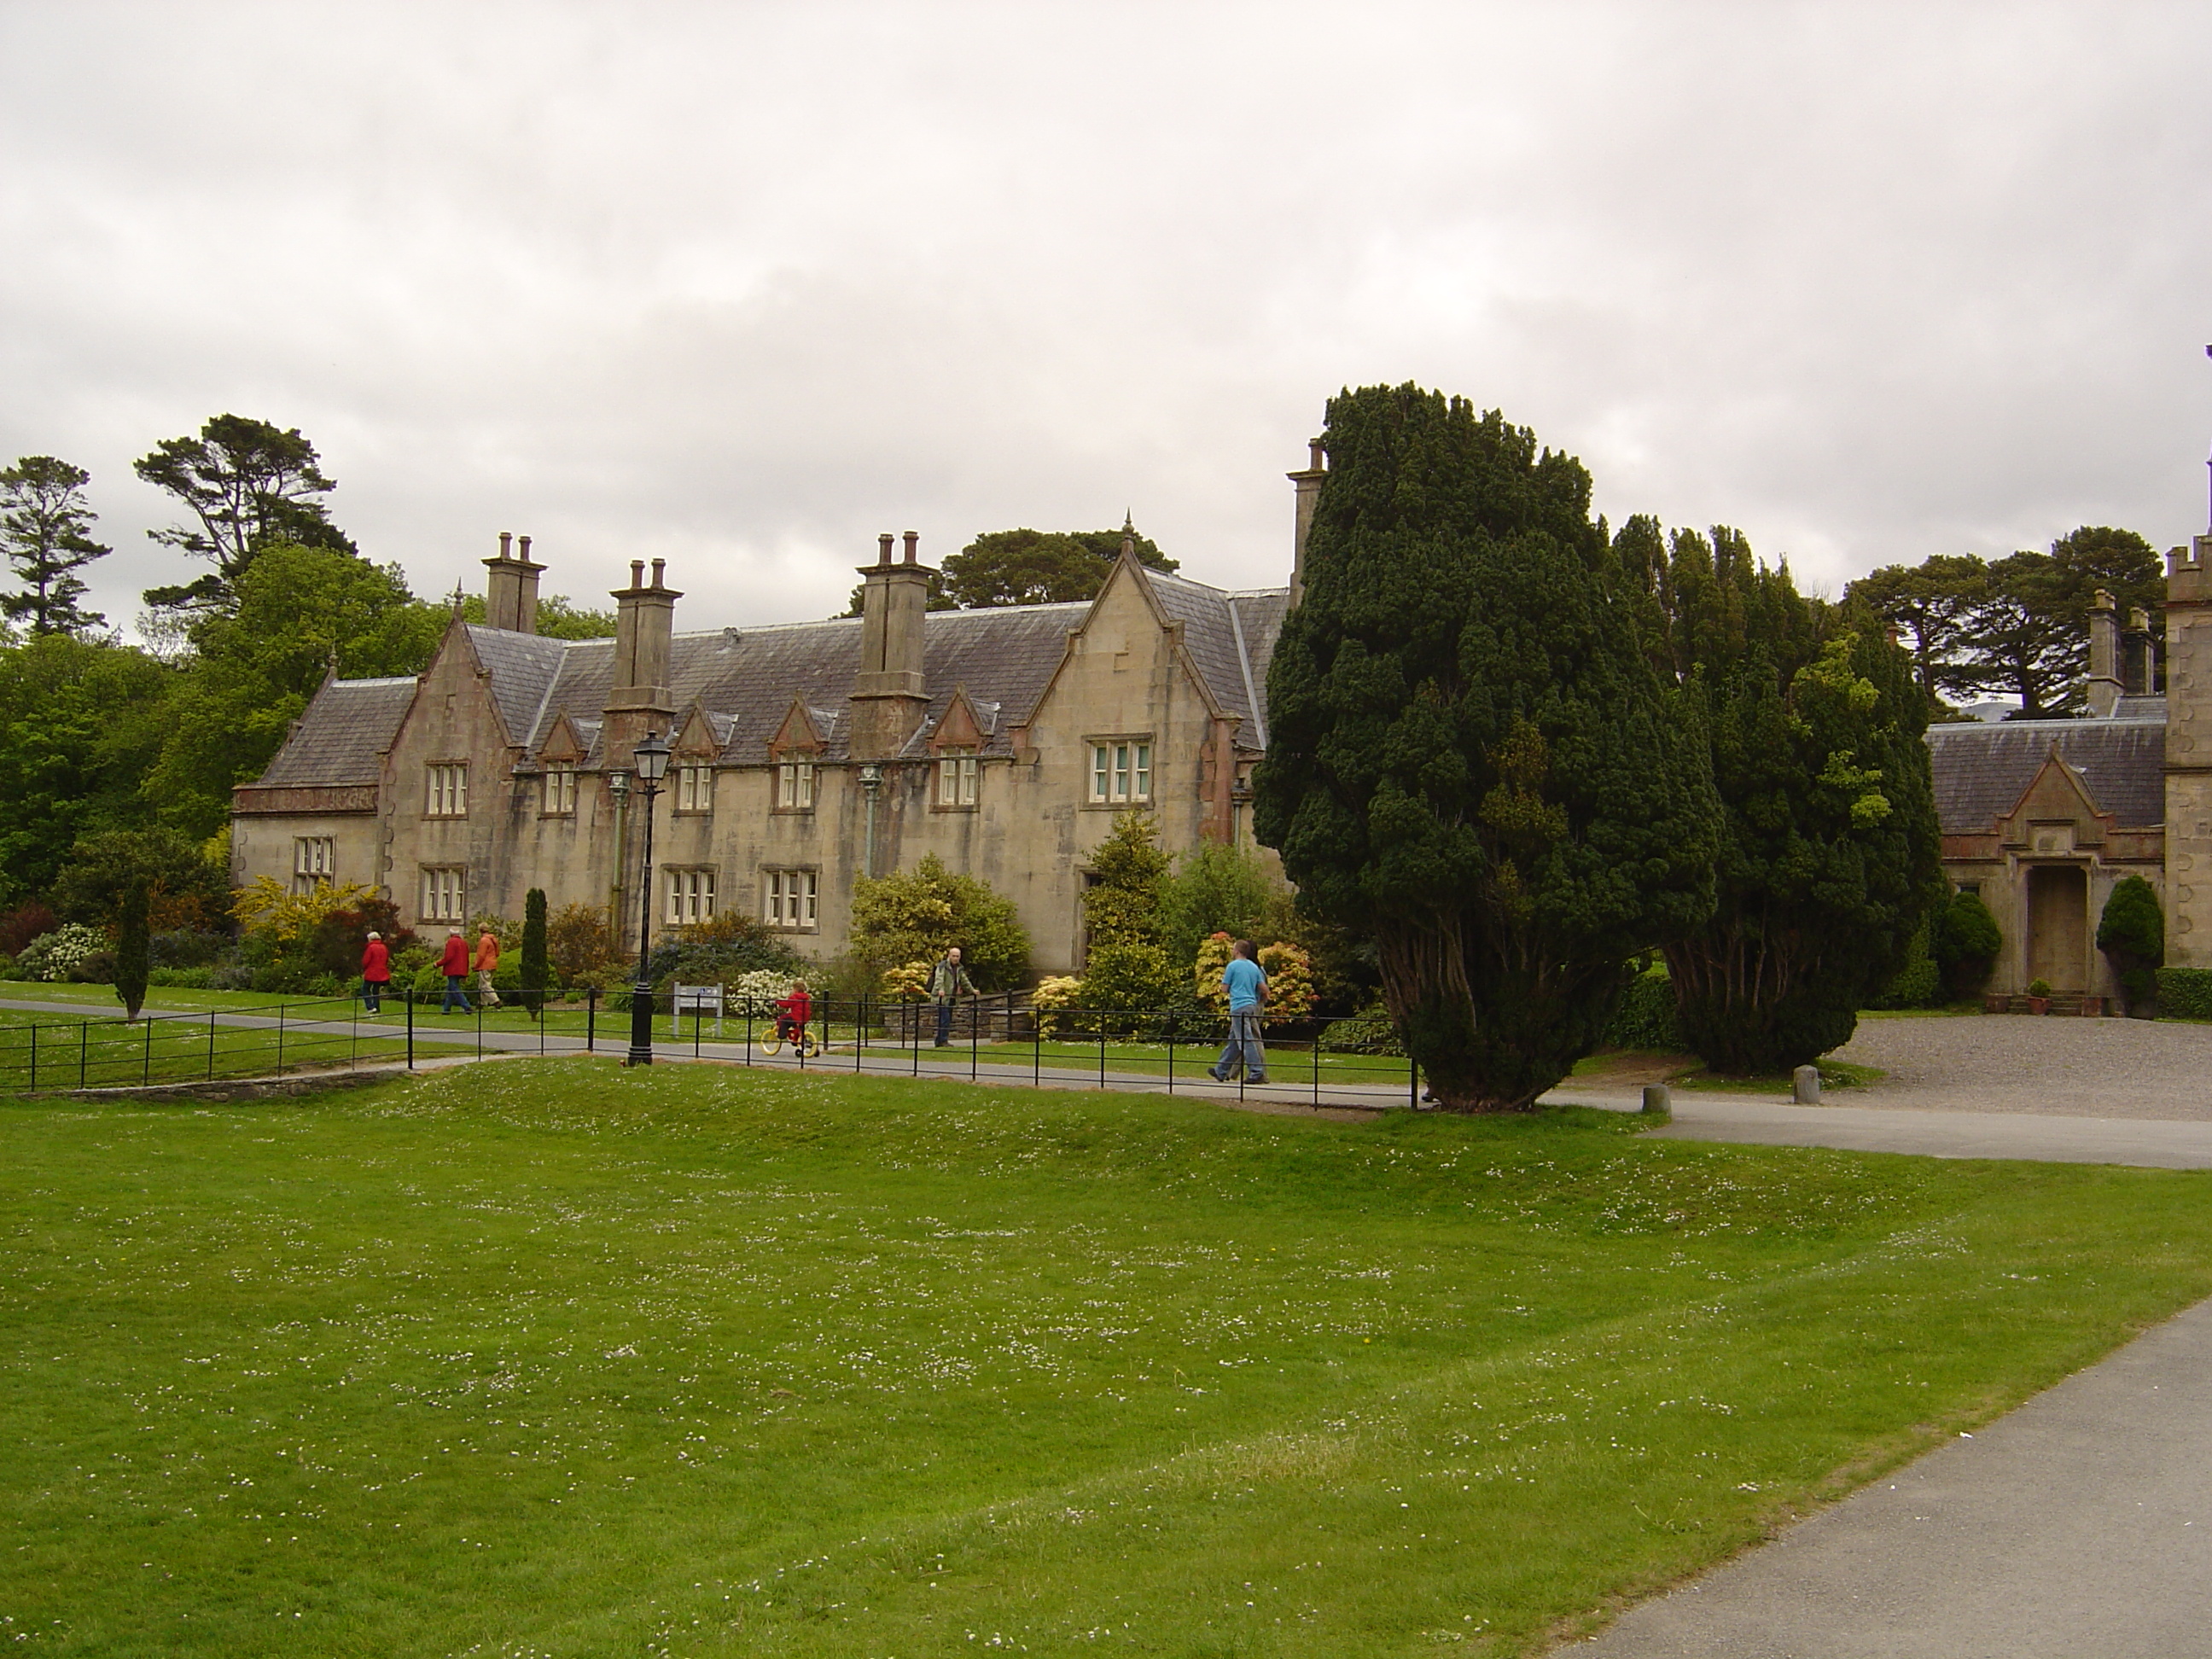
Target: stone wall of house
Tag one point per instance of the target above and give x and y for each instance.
(2189, 754)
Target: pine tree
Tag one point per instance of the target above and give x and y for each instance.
(1830, 858)
(536, 971)
(1470, 758)
(44, 521)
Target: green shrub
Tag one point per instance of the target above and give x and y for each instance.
(915, 916)
(62, 953)
(2132, 935)
(2184, 993)
(1646, 1019)
(1368, 1032)
(536, 971)
(133, 936)
(2038, 987)
(182, 979)
(1965, 940)
(1918, 984)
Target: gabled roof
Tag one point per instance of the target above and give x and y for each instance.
(744, 680)
(1981, 769)
(346, 728)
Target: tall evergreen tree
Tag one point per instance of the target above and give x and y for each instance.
(1469, 757)
(1831, 854)
(248, 485)
(133, 943)
(44, 524)
(537, 972)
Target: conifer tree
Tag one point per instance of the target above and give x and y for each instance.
(536, 971)
(1830, 858)
(44, 521)
(133, 948)
(1469, 757)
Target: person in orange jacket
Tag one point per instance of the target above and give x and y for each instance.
(375, 973)
(455, 965)
(487, 965)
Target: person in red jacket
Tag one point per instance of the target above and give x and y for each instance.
(455, 965)
(375, 973)
(792, 1014)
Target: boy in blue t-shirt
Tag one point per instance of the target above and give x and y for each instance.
(1247, 985)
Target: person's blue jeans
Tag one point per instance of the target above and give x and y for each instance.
(372, 993)
(944, 1023)
(455, 994)
(1244, 1048)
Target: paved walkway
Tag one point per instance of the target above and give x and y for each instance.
(2080, 1526)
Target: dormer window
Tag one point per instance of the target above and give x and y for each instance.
(557, 794)
(794, 786)
(955, 777)
(695, 787)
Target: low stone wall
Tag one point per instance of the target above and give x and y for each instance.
(237, 1088)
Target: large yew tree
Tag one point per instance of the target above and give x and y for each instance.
(1470, 758)
(1831, 857)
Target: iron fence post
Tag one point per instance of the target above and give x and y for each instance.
(591, 1019)
(409, 995)
(84, 1049)
(210, 1042)
(145, 1074)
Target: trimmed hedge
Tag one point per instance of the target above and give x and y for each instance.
(2185, 992)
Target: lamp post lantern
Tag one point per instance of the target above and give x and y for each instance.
(651, 758)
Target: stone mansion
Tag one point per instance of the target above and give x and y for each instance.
(810, 755)
(807, 755)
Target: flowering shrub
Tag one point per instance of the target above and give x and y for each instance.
(908, 982)
(756, 993)
(52, 956)
(1290, 979)
(270, 907)
(1054, 991)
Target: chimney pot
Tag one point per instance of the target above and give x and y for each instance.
(912, 537)
(659, 565)
(884, 542)
(1315, 460)
(525, 544)
(505, 538)
(637, 573)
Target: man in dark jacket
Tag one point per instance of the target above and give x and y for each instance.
(947, 980)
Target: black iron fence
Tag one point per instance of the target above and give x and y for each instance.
(1002, 1038)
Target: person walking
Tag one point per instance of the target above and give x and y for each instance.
(947, 980)
(375, 972)
(1247, 985)
(455, 965)
(487, 966)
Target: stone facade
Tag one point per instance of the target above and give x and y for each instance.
(807, 756)
(2045, 817)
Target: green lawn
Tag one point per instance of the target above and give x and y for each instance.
(555, 1359)
(50, 1051)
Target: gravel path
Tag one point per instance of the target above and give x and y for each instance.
(2111, 1068)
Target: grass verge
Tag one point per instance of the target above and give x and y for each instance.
(560, 1360)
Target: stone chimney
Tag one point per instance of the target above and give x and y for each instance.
(511, 595)
(1307, 484)
(891, 694)
(2138, 665)
(639, 699)
(2104, 686)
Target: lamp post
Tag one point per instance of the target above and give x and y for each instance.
(651, 758)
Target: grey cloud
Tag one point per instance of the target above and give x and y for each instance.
(740, 287)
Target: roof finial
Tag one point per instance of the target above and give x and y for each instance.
(1128, 532)
(458, 598)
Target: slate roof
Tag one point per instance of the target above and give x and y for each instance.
(746, 678)
(1981, 770)
(338, 739)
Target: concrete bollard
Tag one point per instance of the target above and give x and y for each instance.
(1658, 1100)
(1805, 1085)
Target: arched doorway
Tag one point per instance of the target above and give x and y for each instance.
(2059, 926)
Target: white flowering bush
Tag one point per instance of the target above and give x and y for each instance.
(756, 993)
(51, 956)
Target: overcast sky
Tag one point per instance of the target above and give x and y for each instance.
(741, 286)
